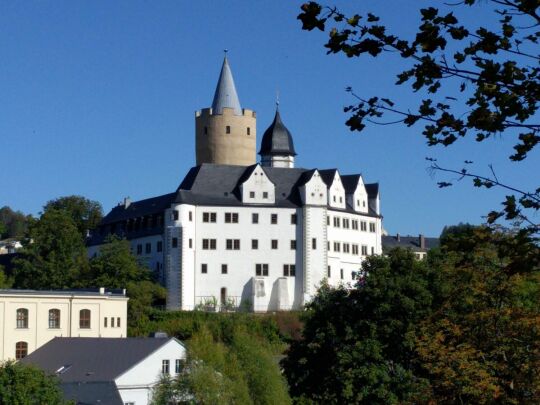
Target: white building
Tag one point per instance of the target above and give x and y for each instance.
(258, 235)
(110, 371)
(29, 319)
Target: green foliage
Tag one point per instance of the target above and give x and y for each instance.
(86, 214)
(358, 345)
(5, 281)
(462, 326)
(13, 224)
(56, 255)
(465, 81)
(26, 385)
(226, 365)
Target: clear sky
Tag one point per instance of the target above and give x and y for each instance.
(97, 98)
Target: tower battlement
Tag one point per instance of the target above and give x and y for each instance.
(205, 112)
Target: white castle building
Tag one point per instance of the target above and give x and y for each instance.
(259, 235)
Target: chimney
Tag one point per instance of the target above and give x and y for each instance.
(101, 290)
(398, 237)
(422, 241)
(127, 202)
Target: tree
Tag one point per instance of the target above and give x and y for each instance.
(13, 224)
(56, 256)
(5, 281)
(86, 213)
(358, 345)
(478, 82)
(26, 385)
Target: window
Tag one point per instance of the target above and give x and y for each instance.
(373, 250)
(265, 194)
(190, 243)
(254, 218)
(232, 244)
(178, 365)
(293, 219)
(165, 366)
(224, 269)
(337, 247)
(254, 244)
(139, 249)
(190, 216)
(148, 248)
(346, 248)
(355, 249)
(334, 198)
(336, 222)
(355, 224)
(22, 318)
(252, 194)
(261, 269)
(118, 322)
(174, 242)
(364, 250)
(54, 318)
(314, 243)
(159, 246)
(372, 226)
(176, 215)
(274, 243)
(204, 268)
(328, 220)
(293, 244)
(273, 219)
(363, 226)
(228, 129)
(206, 130)
(248, 130)
(209, 217)
(112, 322)
(84, 319)
(105, 322)
(231, 217)
(364, 203)
(209, 244)
(341, 273)
(329, 272)
(346, 223)
(21, 350)
(288, 270)
(340, 199)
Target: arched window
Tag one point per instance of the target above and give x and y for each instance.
(21, 350)
(54, 319)
(84, 319)
(22, 318)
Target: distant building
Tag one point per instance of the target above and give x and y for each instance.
(240, 233)
(419, 245)
(109, 371)
(29, 318)
(9, 246)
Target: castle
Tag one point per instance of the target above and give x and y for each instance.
(241, 233)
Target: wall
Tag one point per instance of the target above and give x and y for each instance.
(38, 332)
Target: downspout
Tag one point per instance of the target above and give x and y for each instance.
(70, 313)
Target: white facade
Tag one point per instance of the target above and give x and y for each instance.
(136, 384)
(29, 319)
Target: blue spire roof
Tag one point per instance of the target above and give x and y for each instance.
(225, 95)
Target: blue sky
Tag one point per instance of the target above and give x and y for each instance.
(97, 98)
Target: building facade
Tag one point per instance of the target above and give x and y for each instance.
(29, 319)
(237, 233)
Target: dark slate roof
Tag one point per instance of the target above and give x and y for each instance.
(225, 95)
(154, 205)
(350, 182)
(92, 393)
(372, 189)
(328, 176)
(277, 140)
(408, 242)
(92, 359)
(91, 292)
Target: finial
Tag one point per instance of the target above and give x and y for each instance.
(225, 51)
(277, 99)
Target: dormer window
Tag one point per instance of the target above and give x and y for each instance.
(265, 194)
(252, 194)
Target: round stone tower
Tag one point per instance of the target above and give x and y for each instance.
(225, 133)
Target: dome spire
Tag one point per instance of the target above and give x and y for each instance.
(277, 147)
(225, 95)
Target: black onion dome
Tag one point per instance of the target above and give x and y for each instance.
(277, 140)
